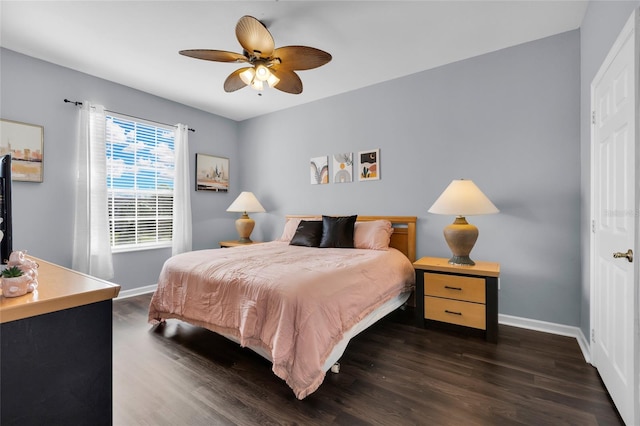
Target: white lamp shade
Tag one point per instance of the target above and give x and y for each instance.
(262, 73)
(463, 198)
(247, 76)
(272, 80)
(246, 203)
(257, 84)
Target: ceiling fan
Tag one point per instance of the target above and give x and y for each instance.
(268, 65)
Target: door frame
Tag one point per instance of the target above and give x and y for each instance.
(632, 24)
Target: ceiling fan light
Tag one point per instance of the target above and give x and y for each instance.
(262, 73)
(272, 80)
(247, 76)
(257, 84)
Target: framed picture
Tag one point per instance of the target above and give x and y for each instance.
(212, 173)
(369, 165)
(343, 167)
(25, 143)
(319, 168)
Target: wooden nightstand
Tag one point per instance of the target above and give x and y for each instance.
(235, 243)
(466, 296)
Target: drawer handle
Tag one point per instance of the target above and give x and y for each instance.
(448, 287)
(453, 313)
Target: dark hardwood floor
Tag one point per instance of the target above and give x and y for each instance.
(391, 374)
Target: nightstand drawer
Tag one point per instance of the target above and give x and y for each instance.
(455, 287)
(455, 312)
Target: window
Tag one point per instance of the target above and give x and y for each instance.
(140, 173)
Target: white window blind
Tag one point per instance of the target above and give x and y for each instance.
(140, 176)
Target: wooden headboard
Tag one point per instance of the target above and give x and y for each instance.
(404, 231)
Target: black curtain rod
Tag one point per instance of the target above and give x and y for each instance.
(76, 103)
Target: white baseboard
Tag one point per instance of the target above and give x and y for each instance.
(136, 291)
(549, 327)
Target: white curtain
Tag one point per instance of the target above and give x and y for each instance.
(182, 234)
(91, 247)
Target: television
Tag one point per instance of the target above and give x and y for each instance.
(6, 244)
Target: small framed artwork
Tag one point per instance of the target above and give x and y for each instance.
(212, 173)
(369, 165)
(319, 168)
(343, 167)
(25, 143)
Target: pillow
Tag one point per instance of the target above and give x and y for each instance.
(291, 225)
(308, 234)
(290, 228)
(337, 231)
(372, 235)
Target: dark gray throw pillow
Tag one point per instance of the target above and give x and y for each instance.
(338, 231)
(308, 234)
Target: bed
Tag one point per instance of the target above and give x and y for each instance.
(297, 305)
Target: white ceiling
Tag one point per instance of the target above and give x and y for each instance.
(136, 43)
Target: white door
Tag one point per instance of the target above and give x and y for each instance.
(614, 288)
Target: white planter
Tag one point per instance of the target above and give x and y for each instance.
(16, 286)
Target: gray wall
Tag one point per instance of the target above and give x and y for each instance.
(600, 28)
(508, 120)
(514, 121)
(33, 92)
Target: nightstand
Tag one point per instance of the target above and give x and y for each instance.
(462, 296)
(235, 243)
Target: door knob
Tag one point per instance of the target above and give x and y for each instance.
(628, 255)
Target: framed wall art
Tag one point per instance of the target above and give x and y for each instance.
(343, 167)
(369, 165)
(25, 143)
(212, 173)
(319, 168)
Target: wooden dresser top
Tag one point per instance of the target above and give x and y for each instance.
(58, 288)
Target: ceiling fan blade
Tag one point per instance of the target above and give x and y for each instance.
(301, 57)
(234, 82)
(214, 55)
(254, 37)
(289, 81)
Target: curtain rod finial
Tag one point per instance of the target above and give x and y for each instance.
(76, 103)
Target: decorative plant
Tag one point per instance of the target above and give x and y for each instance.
(12, 272)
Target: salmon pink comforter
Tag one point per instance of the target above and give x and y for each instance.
(293, 302)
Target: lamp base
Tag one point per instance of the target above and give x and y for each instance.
(244, 226)
(461, 236)
(461, 261)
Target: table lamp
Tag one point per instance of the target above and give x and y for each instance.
(462, 198)
(245, 203)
